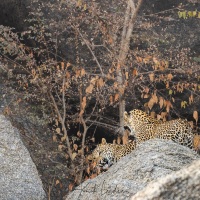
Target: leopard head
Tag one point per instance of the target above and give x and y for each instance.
(136, 120)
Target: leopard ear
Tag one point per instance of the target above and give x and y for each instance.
(103, 141)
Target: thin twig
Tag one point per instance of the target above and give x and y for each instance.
(95, 58)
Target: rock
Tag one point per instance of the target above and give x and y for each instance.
(19, 178)
(183, 184)
(151, 160)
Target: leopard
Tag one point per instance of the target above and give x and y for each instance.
(107, 154)
(144, 127)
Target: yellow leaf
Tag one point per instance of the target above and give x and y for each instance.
(85, 7)
(170, 92)
(183, 104)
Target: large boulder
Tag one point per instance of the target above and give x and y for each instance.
(19, 178)
(151, 160)
(183, 184)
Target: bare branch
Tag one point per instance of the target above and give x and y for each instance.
(88, 46)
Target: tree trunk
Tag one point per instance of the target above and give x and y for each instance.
(129, 20)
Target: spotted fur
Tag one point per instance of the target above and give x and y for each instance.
(107, 153)
(144, 127)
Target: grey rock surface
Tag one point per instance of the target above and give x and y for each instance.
(19, 179)
(183, 184)
(151, 160)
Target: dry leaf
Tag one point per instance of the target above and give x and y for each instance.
(63, 138)
(93, 176)
(57, 182)
(71, 186)
(116, 98)
(58, 130)
(146, 90)
(118, 140)
(135, 73)
(126, 74)
(146, 96)
(139, 59)
(89, 89)
(163, 116)
(169, 77)
(93, 139)
(153, 114)
(100, 83)
(83, 72)
(151, 77)
(78, 72)
(151, 103)
(60, 147)
(161, 102)
(168, 106)
(88, 170)
(111, 100)
(73, 155)
(195, 116)
(54, 138)
(191, 99)
(158, 117)
(80, 151)
(196, 142)
(78, 134)
(62, 65)
(75, 146)
(67, 75)
(155, 60)
(125, 137)
(167, 84)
